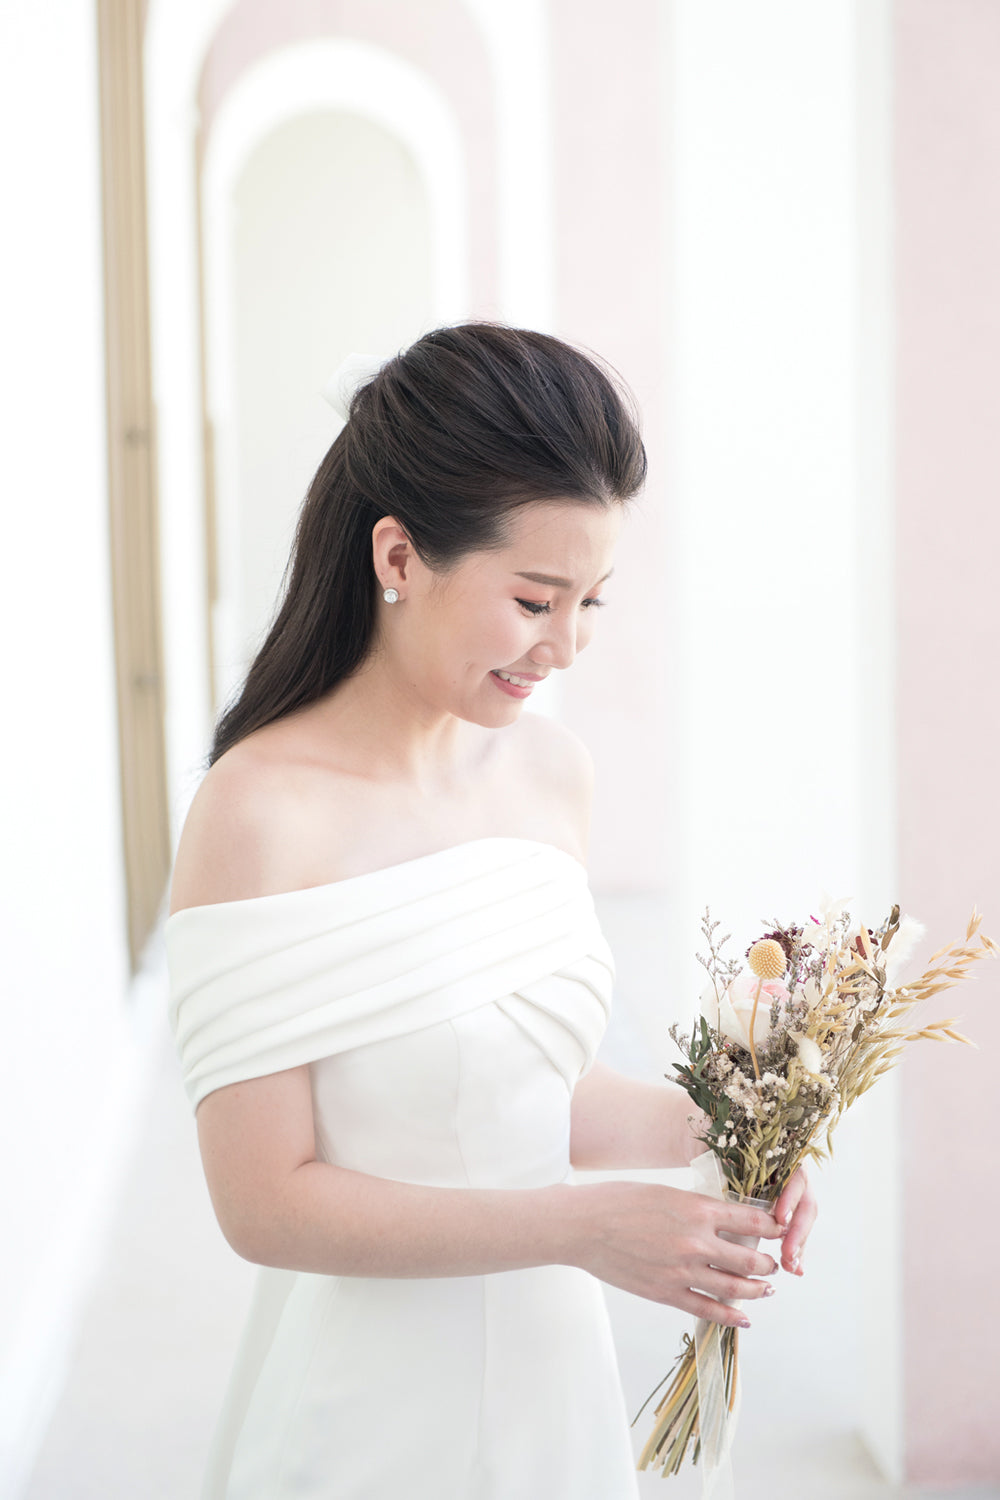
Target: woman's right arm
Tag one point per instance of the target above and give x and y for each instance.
(278, 1205)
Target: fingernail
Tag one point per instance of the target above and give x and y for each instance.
(776, 1267)
(743, 1323)
(768, 1291)
(795, 1261)
(786, 1217)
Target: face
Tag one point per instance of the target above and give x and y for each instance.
(474, 641)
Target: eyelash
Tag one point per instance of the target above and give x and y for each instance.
(531, 606)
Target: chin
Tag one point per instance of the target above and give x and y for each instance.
(496, 720)
(491, 715)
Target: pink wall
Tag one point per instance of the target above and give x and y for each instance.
(947, 126)
(437, 36)
(611, 276)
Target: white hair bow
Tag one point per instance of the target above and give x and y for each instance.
(349, 374)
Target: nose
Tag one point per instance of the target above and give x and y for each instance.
(558, 644)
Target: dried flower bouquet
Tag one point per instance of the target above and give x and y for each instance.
(781, 1050)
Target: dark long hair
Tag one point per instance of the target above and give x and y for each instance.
(449, 437)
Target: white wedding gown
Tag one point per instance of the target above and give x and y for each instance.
(446, 1007)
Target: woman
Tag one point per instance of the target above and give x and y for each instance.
(389, 984)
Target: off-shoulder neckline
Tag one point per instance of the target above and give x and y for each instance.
(354, 880)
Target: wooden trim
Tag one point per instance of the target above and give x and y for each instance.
(209, 489)
(131, 440)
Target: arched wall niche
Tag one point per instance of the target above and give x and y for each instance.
(439, 41)
(323, 234)
(411, 234)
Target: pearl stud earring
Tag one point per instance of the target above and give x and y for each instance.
(390, 596)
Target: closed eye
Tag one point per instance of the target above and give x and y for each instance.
(533, 607)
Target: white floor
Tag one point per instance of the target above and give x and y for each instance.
(153, 1350)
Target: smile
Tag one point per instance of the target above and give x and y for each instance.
(512, 685)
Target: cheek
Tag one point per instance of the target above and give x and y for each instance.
(585, 630)
(474, 640)
(505, 635)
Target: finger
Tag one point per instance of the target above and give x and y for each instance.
(730, 1288)
(798, 1232)
(738, 1260)
(737, 1218)
(790, 1196)
(714, 1312)
(751, 1223)
(792, 1262)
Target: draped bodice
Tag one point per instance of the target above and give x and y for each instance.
(446, 1007)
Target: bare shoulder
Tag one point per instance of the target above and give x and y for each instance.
(560, 768)
(553, 749)
(243, 828)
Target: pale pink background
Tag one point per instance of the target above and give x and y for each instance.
(947, 234)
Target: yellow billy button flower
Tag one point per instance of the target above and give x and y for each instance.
(767, 961)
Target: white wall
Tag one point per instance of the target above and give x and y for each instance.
(782, 615)
(769, 503)
(69, 1059)
(330, 252)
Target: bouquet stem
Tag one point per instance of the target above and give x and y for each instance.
(698, 1410)
(677, 1427)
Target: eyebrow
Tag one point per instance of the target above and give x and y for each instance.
(557, 583)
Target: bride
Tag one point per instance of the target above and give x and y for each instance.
(388, 983)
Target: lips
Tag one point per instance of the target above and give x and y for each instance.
(513, 684)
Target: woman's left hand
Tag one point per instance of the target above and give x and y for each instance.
(796, 1207)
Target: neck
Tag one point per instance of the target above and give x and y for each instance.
(388, 731)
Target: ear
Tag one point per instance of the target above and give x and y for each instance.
(392, 553)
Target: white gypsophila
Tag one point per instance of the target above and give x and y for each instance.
(741, 1096)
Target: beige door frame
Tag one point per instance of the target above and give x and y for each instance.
(131, 437)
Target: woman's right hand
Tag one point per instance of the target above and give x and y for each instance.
(664, 1244)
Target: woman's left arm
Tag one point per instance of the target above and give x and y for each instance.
(618, 1123)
